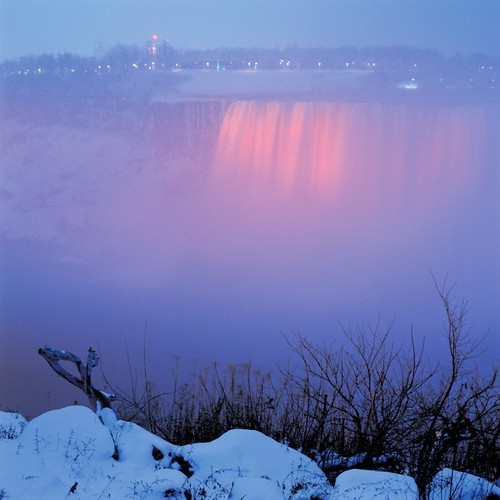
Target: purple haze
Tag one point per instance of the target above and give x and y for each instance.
(272, 217)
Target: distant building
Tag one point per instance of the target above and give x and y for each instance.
(152, 45)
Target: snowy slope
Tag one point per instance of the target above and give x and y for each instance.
(69, 453)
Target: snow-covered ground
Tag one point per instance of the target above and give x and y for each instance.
(70, 453)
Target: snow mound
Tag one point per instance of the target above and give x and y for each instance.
(256, 489)
(138, 447)
(54, 452)
(69, 453)
(246, 459)
(73, 433)
(374, 485)
(449, 483)
(11, 425)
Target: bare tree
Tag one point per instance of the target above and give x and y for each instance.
(456, 415)
(368, 401)
(364, 395)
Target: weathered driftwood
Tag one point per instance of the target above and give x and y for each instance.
(98, 399)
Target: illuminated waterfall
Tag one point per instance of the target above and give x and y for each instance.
(348, 150)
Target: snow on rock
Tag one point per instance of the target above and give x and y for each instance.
(54, 452)
(69, 453)
(449, 483)
(374, 485)
(266, 466)
(11, 425)
(161, 483)
(256, 488)
(74, 432)
(138, 447)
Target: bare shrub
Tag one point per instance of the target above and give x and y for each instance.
(365, 403)
(364, 395)
(202, 410)
(369, 404)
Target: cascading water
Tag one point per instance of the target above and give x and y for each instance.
(348, 150)
(342, 166)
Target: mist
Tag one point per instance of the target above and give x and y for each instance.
(233, 209)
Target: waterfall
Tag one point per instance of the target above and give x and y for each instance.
(344, 151)
(186, 129)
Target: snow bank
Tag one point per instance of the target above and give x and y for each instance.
(460, 486)
(69, 453)
(11, 425)
(364, 484)
(248, 460)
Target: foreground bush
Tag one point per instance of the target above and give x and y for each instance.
(366, 404)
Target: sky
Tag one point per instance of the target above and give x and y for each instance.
(51, 26)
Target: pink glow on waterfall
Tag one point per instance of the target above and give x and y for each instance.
(342, 151)
(280, 145)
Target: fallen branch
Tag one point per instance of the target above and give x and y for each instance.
(98, 399)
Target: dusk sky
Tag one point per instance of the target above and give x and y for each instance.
(51, 26)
